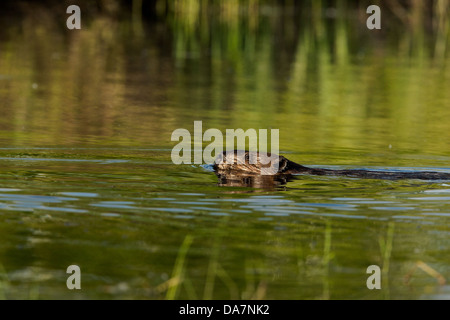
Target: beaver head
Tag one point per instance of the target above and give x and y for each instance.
(254, 163)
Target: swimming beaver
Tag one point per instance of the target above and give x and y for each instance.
(248, 163)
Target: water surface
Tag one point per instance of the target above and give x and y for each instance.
(86, 176)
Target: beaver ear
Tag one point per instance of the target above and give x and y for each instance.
(282, 164)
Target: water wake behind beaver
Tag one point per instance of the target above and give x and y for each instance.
(247, 168)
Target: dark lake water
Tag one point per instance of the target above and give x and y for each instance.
(86, 176)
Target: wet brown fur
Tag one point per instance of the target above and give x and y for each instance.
(240, 165)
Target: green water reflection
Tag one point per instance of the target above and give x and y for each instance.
(86, 176)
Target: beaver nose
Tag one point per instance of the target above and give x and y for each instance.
(219, 159)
